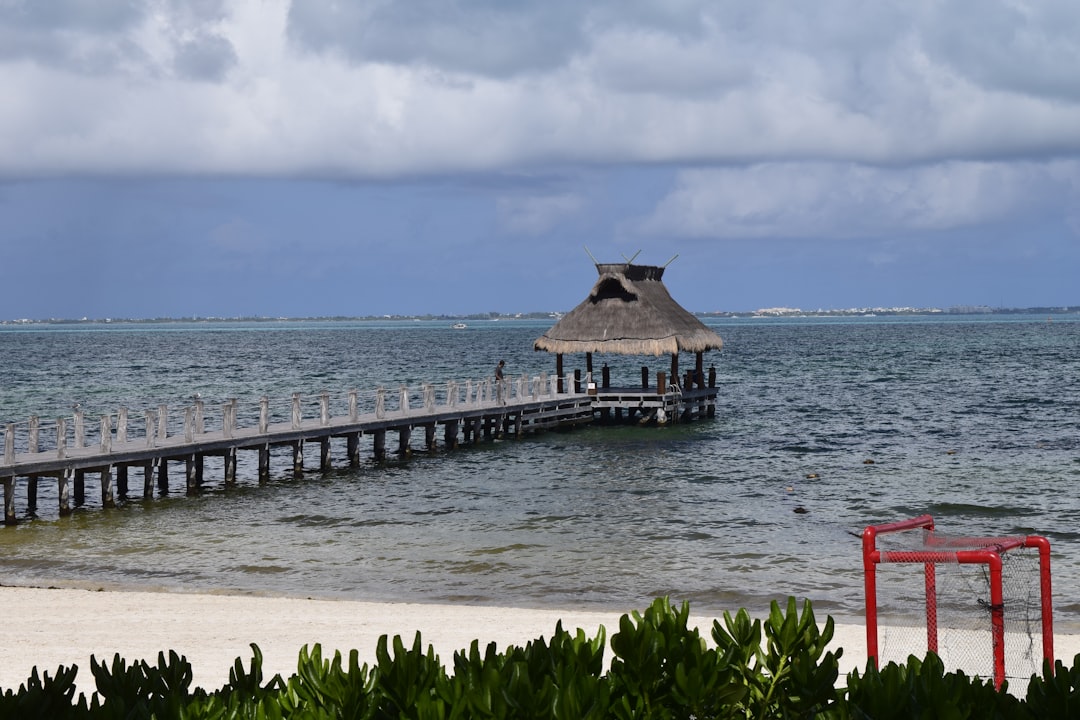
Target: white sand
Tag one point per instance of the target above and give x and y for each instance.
(51, 627)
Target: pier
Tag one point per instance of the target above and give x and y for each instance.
(120, 447)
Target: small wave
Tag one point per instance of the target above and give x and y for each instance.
(804, 449)
(261, 569)
(504, 549)
(946, 509)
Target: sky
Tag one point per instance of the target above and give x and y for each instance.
(224, 158)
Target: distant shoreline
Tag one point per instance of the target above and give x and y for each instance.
(966, 310)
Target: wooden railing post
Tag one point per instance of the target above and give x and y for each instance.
(150, 422)
(264, 415)
(121, 426)
(324, 408)
(80, 431)
(228, 419)
(106, 434)
(34, 443)
(61, 438)
(9, 444)
(189, 423)
(403, 404)
(200, 423)
(163, 422)
(296, 416)
(452, 393)
(354, 406)
(380, 402)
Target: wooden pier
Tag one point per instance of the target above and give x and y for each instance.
(454, 413)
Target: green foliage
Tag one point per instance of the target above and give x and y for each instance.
(792, 676)
(140, 689)
(776, 669)
(405, 683)
(1057, 693)
(45, 696)
(663, 669)
(326, 688)
(922, 689)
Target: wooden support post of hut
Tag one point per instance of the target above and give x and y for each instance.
(264, 462)
(80, 488)
(31, 495)
(122, 481)
(298, 457)
(380, 445)
(230, 466)
(429, 437)
(63, 491)
(108, 491)
(163, 476)
(712, 386)
(148, 478)
(324, 454)
(190, 464)
(630, 312)
(9, 500)
(450, 434)
(352, 448)
(404, 436)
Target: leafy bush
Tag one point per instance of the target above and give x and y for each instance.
(792, 676)
(778, 668)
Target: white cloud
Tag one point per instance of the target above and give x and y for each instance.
(379, 89)
(833, 200)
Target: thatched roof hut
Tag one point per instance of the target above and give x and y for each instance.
(629, 312)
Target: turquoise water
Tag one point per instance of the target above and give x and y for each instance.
(973, 420)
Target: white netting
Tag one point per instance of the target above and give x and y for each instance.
(963, 605)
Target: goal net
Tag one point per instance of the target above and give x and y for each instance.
(982, 604)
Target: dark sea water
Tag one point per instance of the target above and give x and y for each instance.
(975, 420)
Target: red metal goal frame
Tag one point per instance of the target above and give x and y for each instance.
(986, 551)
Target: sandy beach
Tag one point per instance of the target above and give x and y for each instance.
(50, 627)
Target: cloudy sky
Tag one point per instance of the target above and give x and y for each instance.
(326, 157)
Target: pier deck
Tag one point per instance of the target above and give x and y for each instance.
(466, 413)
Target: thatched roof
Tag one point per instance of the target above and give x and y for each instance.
(628, 312)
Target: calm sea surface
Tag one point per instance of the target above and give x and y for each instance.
(973, 420)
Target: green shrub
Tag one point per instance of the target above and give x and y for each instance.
(922, 689)
(664, 669)
(778, 669)
(792, 676)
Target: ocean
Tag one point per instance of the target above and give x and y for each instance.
(823, 426)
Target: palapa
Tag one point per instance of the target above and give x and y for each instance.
(629, 312)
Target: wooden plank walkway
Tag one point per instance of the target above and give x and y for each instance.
(465, 412)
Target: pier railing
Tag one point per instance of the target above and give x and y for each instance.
(196, 417)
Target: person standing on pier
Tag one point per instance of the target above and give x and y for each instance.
(499, 380)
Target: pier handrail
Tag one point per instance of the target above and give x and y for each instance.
(191, 420)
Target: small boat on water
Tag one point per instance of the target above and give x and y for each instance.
(459, 326)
